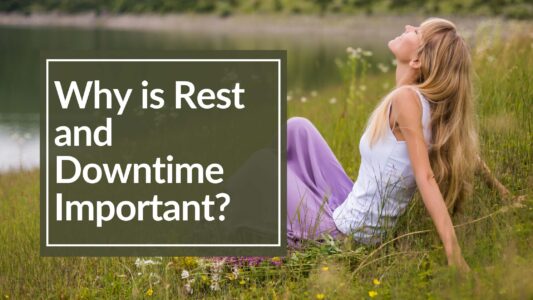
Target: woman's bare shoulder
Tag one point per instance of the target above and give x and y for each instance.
(405, 102)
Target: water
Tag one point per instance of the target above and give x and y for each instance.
(310, 67)
(19, 141)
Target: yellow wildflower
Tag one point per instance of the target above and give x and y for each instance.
(376, 281)
(276, 259)
(149, 292)
(242, 282)
(372, 294)
(325, 268)
(320, 296)
(190, 262)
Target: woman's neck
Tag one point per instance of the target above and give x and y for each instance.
(405, 75)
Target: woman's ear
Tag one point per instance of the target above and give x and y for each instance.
(415, 63)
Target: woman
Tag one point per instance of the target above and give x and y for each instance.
(421, 135)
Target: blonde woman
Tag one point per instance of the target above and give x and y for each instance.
(420, 136)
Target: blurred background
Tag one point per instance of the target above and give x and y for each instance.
(315, 34)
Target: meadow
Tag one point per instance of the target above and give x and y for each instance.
(496, 235)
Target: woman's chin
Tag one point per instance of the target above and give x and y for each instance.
(390, 45)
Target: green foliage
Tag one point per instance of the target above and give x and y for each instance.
(519, 9)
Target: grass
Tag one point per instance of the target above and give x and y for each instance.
(496, 243)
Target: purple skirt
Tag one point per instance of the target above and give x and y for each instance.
(316, 183)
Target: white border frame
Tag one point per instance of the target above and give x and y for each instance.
(166, 245)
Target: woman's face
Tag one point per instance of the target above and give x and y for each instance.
(405, 45)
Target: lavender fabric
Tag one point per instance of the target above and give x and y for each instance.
(316, 183)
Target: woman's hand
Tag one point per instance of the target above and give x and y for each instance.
(490, 179)
(456, 260)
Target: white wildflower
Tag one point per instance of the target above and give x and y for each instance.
(184, 274)
(235, 272)
(215, 286)
(215, 276)
(289, 98)
(383, 68)
(367, 53)
(333, 100)
(141, 262)
(314, 93)
(393, 62)
(188, 288)
(303, 99)
(355, 54)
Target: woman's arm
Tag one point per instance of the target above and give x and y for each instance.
(408, 113)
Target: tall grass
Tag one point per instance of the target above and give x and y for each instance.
(410, 264)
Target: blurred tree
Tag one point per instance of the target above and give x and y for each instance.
(322, 5)
(521, 9)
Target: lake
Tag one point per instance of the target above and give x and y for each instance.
(311, 55)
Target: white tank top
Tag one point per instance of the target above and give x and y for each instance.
(384, 186)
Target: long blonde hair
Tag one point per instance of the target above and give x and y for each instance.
(445, 80)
